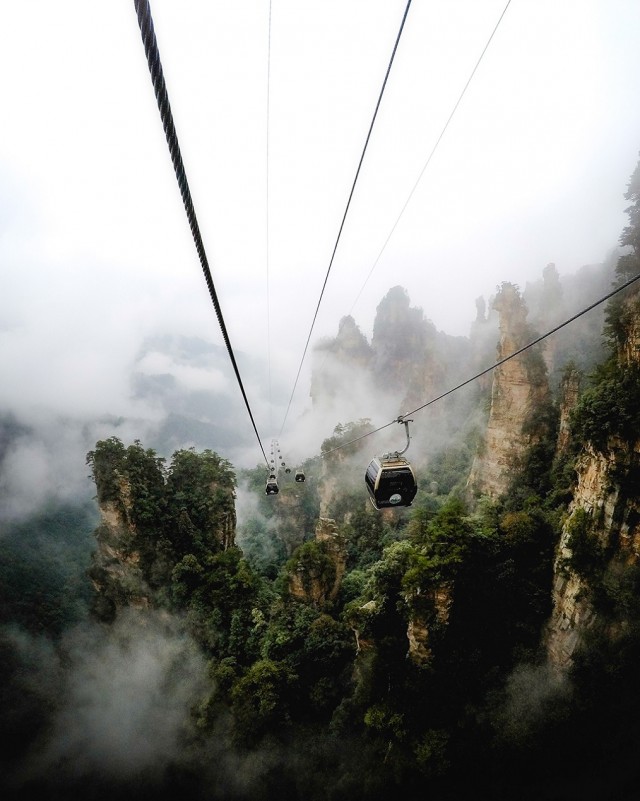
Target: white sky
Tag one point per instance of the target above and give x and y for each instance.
(95, 250)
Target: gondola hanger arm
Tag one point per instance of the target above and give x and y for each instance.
(405, 422)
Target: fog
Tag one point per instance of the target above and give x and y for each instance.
(120, 698)
(95, 251)
(530, 695)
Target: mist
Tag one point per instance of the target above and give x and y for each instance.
(119, 698)
(97, 256)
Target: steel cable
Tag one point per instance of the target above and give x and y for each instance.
(344, 216)
(145, 22)
(431, 155)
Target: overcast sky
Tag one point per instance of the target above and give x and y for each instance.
(95, 249)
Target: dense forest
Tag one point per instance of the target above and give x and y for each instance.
(186, 634)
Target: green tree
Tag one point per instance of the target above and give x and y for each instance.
(200, 489)
(610, 407)
(260, 701)
(629, 264)
(364, 534)
(617, 315)
(343, 434)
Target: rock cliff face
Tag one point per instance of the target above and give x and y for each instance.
(436, 608)
(115, 572)
(610, 516)
(569, 395)
(339, 360)
(603, 520)
(407, 353)
(149, 524)
(550, 312)
(520, 390)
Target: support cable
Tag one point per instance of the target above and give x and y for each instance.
(489, 369)
(431, 155)
(155, 68)
(344, 216)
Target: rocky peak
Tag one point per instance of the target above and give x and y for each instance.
(336, 359)
(520, 388)
(351, 343)
(604, 519)
(400, 335)
(512, 311)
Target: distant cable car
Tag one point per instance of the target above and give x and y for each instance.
(299, 475)
(390, 478)
(287, 470)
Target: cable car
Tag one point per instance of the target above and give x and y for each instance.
(287, 470)
(299, 475)
(272, 486)
(390, 478)
(391, 481)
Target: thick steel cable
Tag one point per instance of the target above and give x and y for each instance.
(618, 289)
(157, 77)
(344, 216)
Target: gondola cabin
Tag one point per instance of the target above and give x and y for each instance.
(299, 476)
(391, 482)
(272, 486)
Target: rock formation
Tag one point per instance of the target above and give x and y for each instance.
(600, 538)
(115, 572)
(337, 360)
(520, 390)
(409, 354)
(569, 394)
(435, 609)
(609, 516)
(151, 521)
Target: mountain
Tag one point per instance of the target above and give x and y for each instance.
(483, 642)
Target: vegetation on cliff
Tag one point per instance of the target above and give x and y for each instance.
(284, 666)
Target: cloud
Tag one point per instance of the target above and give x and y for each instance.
(191, 378)
(96, 251)
(532, 694)
(43, 458)
(122, 701)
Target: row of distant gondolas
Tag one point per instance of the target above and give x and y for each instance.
(390, 479)
(275, 463)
